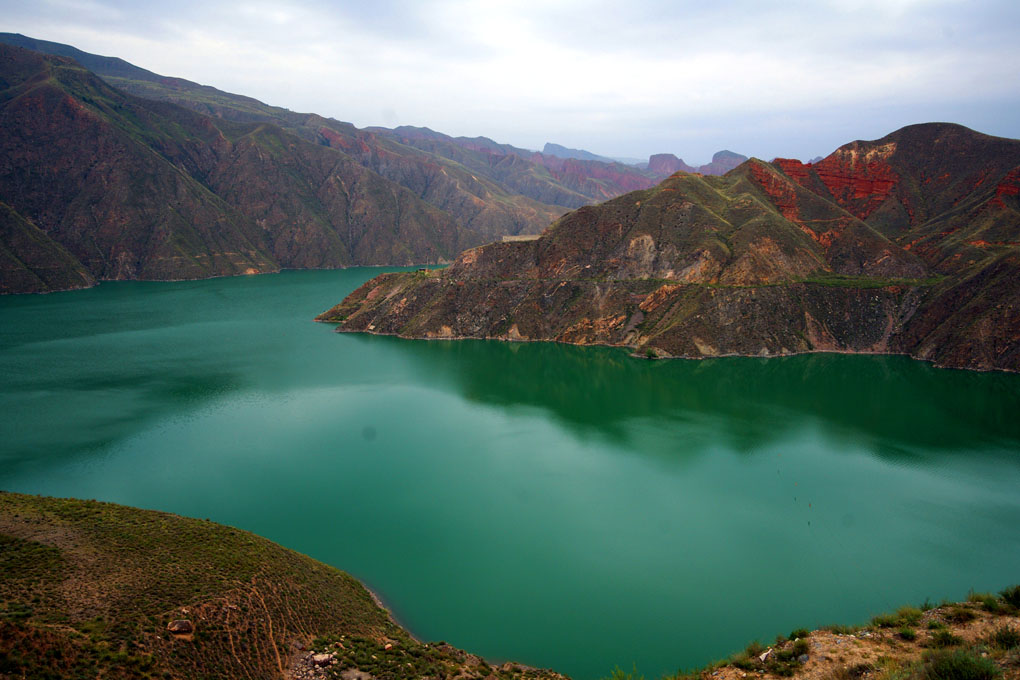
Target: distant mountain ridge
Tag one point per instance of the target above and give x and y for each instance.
(559, 151)
(908, 244)
(98, 184)
(722, 162)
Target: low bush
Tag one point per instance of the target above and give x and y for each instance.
(943, 638)
(959, 665)
(1005, 637)
(1011, 596)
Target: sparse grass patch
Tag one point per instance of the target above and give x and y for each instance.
(907, 633)
(840, 629)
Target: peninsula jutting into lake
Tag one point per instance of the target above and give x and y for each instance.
(909, 244)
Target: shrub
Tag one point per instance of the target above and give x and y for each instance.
(907, 634)
(1011, 596)
(619, 674)
(840, 629)
(909, 616)
(960, 615)
(959, 665)
(943, 638)
(747, 659)
(886, 621)
(851, 672)
(799, 633)
(1005, 637)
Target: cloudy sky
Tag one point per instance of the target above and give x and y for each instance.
(617, 77)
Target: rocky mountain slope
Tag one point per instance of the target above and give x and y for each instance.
(766, 260)
(476, 203)
(98, 184)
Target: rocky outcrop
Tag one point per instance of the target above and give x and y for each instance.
(665, 164)
(764, 261)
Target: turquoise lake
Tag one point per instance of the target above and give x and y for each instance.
(565, 507)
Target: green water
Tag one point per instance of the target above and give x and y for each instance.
(566, 507)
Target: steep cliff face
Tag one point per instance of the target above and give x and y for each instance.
(130, 188)
(763, 261)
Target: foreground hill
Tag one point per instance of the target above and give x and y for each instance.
(94, 590)
(765, 260)
(100, 590)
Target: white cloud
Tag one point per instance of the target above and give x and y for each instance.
(626, 79)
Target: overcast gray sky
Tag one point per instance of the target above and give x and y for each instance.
(616, 77)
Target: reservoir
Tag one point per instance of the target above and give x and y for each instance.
(566, 507)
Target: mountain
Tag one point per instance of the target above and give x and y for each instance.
(940, 189)
(559, 151)
(873, 249)
(666, 164)
(567, 182)
(476, 203)
(134, 188)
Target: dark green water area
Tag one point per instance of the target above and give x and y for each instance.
(567, 507)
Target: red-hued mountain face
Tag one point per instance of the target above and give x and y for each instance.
(908, 177)
(940, 190)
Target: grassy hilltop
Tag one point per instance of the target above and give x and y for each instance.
(89, 590)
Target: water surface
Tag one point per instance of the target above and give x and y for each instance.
(567, 507)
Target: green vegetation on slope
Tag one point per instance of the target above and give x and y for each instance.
(89, 589)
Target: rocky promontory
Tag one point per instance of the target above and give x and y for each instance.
(766, 260)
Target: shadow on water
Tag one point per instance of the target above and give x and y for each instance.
(899, 406)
